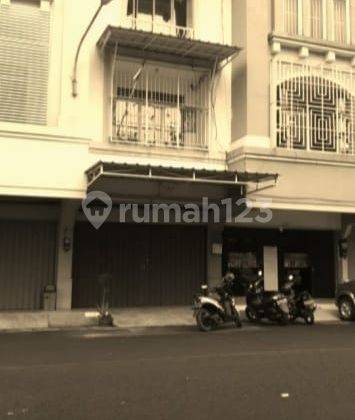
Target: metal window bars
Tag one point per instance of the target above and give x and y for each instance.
(314, 107)
(156, 108)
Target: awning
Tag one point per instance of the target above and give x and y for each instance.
(167, 48)
(123, 180)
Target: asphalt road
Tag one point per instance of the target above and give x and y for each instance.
(270, 372)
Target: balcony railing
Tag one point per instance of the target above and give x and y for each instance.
(153, 108)
(314, 107)
(157, 25)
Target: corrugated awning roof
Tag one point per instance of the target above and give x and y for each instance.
(206, 176)
(167, 48)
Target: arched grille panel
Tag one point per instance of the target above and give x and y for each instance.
(315, 108)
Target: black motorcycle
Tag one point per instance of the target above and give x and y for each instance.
(301, 303)
(262, 304)
(216, 307)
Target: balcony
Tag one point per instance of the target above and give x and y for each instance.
(157, 25)
(160, 107)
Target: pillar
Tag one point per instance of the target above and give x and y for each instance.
(65, 237)
(214, 254)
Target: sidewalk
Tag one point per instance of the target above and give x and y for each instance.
(129, 317)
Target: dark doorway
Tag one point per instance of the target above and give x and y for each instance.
(308, 254)
(150, 265)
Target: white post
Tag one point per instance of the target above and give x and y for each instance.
(65, 256)
(271, 270)
(178, 123)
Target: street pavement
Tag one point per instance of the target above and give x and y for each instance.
(259, 372)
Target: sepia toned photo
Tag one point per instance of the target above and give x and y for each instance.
(177, 209)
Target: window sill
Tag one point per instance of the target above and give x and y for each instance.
(314, 45)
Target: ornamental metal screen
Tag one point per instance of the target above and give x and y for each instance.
(314, 107)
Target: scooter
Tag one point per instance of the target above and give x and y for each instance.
(301, 304)
(216, 307)
(261, 304)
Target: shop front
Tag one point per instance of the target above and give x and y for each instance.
(307, 254)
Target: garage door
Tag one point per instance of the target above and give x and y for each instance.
(27, 258)
(149, 265)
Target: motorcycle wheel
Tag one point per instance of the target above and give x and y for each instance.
(309, 318)
(283, 320)
(204, 320)
(237, 321)
(251, 314)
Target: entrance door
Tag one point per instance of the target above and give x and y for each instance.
(149, 265)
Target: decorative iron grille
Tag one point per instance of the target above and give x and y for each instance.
(314, 108)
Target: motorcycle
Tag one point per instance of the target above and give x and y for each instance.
(261, 304)
(301, 304)
(216, 307)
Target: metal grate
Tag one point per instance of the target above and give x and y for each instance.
(161, 107)
(314, 108)
(24, 61)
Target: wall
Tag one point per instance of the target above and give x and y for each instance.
(251, 73)
(50, 161)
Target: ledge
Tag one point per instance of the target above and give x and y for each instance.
(293, 156)
(314, 45)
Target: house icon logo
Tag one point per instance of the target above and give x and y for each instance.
(97, 207)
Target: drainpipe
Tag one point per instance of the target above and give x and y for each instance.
(74, 78)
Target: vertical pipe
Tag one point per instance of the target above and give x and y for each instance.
(178, 113)
(146, 109)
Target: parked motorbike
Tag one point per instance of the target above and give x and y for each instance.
(262, 304)
(301, 303)
(216, 307)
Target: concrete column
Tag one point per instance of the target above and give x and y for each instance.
(65, 256)
(214, 254)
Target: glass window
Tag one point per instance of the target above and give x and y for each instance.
(340, 21)
(291, 16)
(316, 18)
(162, 8)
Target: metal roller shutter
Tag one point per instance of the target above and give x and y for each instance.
(150, 265)
(27, 261)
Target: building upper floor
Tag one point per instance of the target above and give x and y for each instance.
(150, 75)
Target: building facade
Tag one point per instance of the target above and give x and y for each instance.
(293, 115)
(162, 103)
(150, 87)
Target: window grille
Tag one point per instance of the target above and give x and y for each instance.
(314, 108)
(156, 108)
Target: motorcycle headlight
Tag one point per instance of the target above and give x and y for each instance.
(291, 277)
